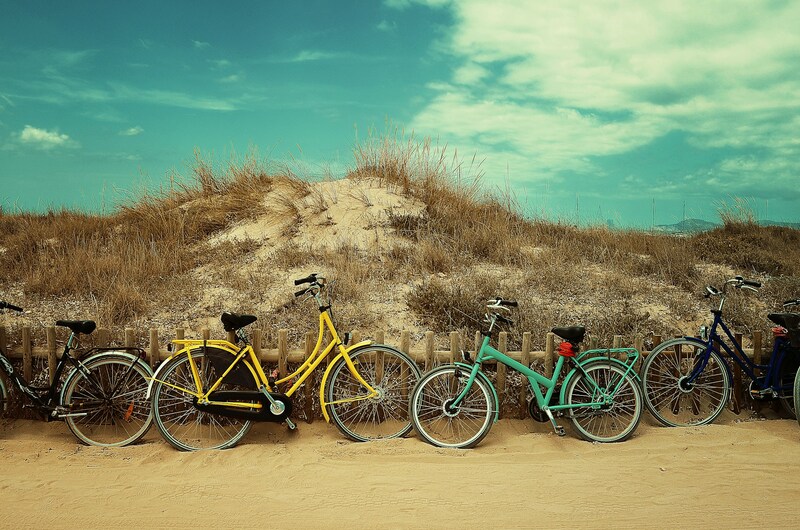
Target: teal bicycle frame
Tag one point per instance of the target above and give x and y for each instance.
(601, 396)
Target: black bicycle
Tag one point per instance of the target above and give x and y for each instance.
(104, 397)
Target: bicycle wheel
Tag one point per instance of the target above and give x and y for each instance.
(3, 396)
(614, 422)
(797, 391)
(392, 374)
(786, 376)
(670, 398)
(108, 407)
(179, 421)
(436, 422)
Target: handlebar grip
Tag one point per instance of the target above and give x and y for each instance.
(301, 292)
(509, 303)
(751, 283)
(308, 279)
(792, 302)
(6, 305)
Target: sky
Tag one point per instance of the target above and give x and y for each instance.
(634, 113)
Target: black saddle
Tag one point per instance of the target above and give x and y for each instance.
(572, 334)
(788, 320)
(78, 326)
(234, 321)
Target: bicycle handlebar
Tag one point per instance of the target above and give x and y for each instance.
(6, 305)
(311, 278)
(789, 303)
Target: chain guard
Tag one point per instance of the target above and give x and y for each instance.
(255, 396)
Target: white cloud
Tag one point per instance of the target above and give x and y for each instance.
(312, 55)
(133, 131)
(43, 139)
(554, 85)
(386, 26)
(200, 44)
(233, 78)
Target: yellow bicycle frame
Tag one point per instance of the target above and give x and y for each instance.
(254, 366)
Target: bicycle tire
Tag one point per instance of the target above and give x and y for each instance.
(677, 405)
(180, 423)
(797, 391)
(383, 417)
(621, 418)
(786, 377)
(3, 396)
(109, 408)
(461, 429)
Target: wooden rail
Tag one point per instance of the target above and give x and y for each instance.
(281, 356)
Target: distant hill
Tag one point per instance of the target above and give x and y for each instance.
(691, 226)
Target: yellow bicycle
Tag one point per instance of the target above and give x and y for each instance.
(207, 394)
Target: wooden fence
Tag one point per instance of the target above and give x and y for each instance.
(513, 394)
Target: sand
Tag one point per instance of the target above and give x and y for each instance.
(731, 474)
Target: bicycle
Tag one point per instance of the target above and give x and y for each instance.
(102, 399)
(455, 405)
(687, 381)
(207, 394)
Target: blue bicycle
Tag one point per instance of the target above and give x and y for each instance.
(686, 381)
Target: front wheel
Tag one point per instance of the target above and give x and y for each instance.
(181, 423)
(786, 378)
(441, 424)
(669, 394)
(797, 391)
(604, 420)
(392, 374)
(108, 406)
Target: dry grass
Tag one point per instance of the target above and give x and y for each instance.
(469, 244)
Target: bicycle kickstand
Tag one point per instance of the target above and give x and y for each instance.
(290, 424)
(556, 427)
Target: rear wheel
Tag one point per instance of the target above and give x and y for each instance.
(440, 424)
(797, 391)
(669, 395)
(786, 378)
(181, 423)
(392, 374)
(611, 422)
(108, 407)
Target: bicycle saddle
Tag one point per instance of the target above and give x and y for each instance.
(787, 320)
(78, 326)
(234, 321)
(573, 334)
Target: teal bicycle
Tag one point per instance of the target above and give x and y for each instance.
(455, 405)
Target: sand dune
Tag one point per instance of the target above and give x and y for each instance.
(730, 474)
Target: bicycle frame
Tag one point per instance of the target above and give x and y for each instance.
(715, 341)
(48, 402)
(302, 373)
(535, 379)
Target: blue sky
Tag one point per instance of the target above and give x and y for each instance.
(593, 109)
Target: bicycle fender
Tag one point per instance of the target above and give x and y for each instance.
(574, 371)
(483, 376)
(324, 382)
(112, 353)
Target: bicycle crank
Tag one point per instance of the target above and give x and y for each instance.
(251, 405)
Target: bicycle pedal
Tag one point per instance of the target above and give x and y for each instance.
(560, 430)
(290, 424)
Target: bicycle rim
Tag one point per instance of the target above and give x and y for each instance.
(462, 427)
(671, 399)
(392, 374)
(108, 408)
(612, 423)
(179, 421)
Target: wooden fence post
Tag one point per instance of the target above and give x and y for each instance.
(103, 337)
(405, 347)
(428, 350)
(309, 383)
(617, 341)
(549, 347)
(283, 352)
(154, 353)
(737, 380)
(27, 354)
(257, 345)
(52, 360)
(205, 333)
(526, 360)
(757, 351)
(502, 347)
(454, 345)
(129, 338)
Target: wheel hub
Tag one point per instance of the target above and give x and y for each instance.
(685, 385)
(447, 408)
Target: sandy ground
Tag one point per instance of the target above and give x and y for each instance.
(735, 473)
